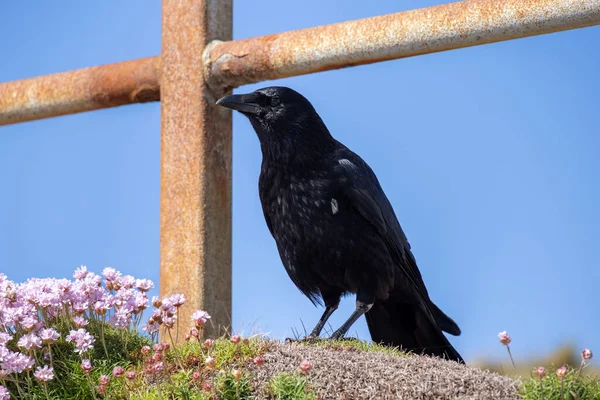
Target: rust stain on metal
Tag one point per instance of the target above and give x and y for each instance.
(195, 213)
(387, 37)
(81, 90)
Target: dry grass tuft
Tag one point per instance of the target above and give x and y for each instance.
(340, 373)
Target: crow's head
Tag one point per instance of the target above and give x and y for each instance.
(279, 115)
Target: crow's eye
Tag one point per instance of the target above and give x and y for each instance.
(275, 101)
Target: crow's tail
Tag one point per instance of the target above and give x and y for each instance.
(406, 326)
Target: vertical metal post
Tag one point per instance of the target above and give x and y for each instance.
(195, 204)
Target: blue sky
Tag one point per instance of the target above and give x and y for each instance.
(487, 154)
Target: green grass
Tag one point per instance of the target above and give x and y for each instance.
(574, 388)
(352, 344)
(288, 386)
(122, 348)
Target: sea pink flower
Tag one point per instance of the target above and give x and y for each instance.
(210, 362)
(82, 339)
(80, 322)
(586, 354)
(235, 339)
(49, 335)
(44, 374)
(236, 373)
(104, 380)
(144, 285)
(80, 273)
(111, 274)
(207, 386)
(561, 372)
(29, 341)
(5, 338)
(118, 371)
(540, 372)
(504, 338)
(130, 375)
(208, 343)
(86, 366)
(259, 360)
(196, 375)
(305, 366)
(200, 317)
(4, 393)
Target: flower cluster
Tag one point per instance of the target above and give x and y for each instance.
(34, 315)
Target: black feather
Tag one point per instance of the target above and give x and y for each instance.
(335, 230)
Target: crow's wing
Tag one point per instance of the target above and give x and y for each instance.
(361, 188)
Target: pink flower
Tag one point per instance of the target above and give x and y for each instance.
(111, 274)
(49, 335)
(586, 354)
(188, 336)
(157, 347)
(177, 299)
(4, 393)
(29, 341)
(118, 371)
(194, 332)
(259, 360)
(29, 323)
(540, 372)
(104, 380)
(83, 340)
(208, 343)
(235, 339)
(144, 285)
(130, 375)
(145, 350)
(210, 362)
(305, 366)
(156, 302)
(207, 386)
(504, 338)
(196, 375)
(101, 389)
(100, 308)
(80, 322)
(5, 338)
(158, 367)
(561, 372)
(127, 281)
(200, 317)
(80, 273)
(86, 366)
(44, 374)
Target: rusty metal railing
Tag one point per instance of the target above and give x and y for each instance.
(199, 63)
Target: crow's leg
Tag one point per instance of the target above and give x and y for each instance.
(332, 301)
(364, 302)
(361, 308)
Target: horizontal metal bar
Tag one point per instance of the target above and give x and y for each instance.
(85, 89)
(234, 63)
(387, 37)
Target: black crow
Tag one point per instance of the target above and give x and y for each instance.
(335, 229)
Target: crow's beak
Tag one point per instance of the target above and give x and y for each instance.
(239, 102)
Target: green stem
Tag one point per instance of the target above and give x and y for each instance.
(580, 368)
(511, 357)
(50, 354)
(177, 333)
(102, 337)
(46, 390)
